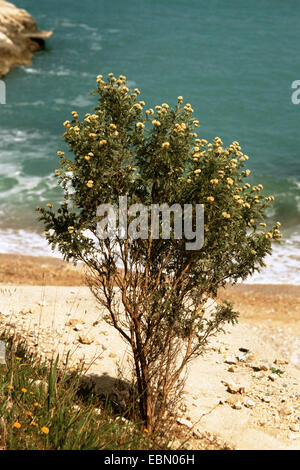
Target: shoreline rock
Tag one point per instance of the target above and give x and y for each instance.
(19, 37)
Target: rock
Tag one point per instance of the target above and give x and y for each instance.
(292, 436)
(86, 338)
(242, 357)
(78, 327)
(185, 422)
(231, 369)
(230, 360)
(19, 37)
(249, 403)
(295, 427)
(238, 405)
(266, 399)
(286, 411)
(273, 377)
(112, 355)
(232, 387)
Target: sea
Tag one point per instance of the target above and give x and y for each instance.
(236, 62)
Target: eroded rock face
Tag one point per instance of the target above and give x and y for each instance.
(16, 45)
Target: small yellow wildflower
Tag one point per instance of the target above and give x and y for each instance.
(103, 142)
(113, 127)
(87, 158)
(253, 252)
(156, 123)
(33, 423)
(92, 135)
(18, 358)
(214, 181)
(45, 430)
(197, 171)
(90, 184)
(71, 229)
(210, 199)
(10, 387)
(140, 125)
(49, 205)
(17, 425)
(226, 215)
(229, 181)
(165, 145)
(24, 390)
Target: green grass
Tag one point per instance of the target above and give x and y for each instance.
(42, 407)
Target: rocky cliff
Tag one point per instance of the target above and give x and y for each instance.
(19, 37)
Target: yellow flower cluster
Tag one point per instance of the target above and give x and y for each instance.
(71, 229)
(140, 125)
(166, 145)
(214, 181)
(210, 199)
(90, 183)
(156, 123)
(102, 142)
(225, 215)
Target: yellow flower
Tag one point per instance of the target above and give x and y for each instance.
(45, 430)
(138, 106)
(34, 424)
(229, 181)
(75, 114)
(28, 413)
(36, 404)
(71, 229)
(142, 103)
(156, 123)
(180, 98)
(90, 183)
(263, 224)
(137, 91)
(103, 142)
(210, 199)
(140, 125)
(24, 390)
(66, 124)
(253, 252)
(113, 127)
(197, 171)
(17, 425)
(214, 181)
(226, 215)
(47, 233)
(87, 158)
(189, 180)
(10, 387)
(49, 205)
(57, 172)
(18, 358)
(247, 172)
(92, 135)
(165, 145)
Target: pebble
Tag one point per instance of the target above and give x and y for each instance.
(295, 427)
(249, 403)
(273, 377)
(185, 422)
(238, 405)
(230, 360)
(85, 338)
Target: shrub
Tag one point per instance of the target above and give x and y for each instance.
(154, 289)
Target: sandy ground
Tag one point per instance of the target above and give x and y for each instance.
(248, 399)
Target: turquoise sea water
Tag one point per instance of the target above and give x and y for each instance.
(234, 61)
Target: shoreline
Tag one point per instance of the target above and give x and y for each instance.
(255, 302)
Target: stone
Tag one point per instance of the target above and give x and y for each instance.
(185, 422)
(273, 377)
(249, 403)
(238, 405)
(85, 338)
(230, 360)
(231, 369)
(295, 427)
(112, 355)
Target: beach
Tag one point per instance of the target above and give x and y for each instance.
(45, 301)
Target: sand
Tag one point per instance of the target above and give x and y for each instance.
(45, 301)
